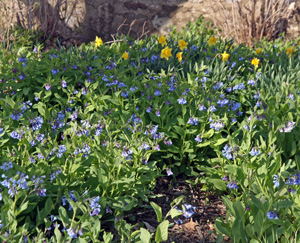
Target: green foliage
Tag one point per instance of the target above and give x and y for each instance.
(84, 134)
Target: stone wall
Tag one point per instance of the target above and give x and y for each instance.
(84, 19)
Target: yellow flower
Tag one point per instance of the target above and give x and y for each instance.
(255, 62)
(258, 50)
(227, 47)
(98, 41)
(179, 56)
(125, 55)
(162, 40)
(212, 41)
(290, 51)
(225, 56)
(182, 45)
(166, 53)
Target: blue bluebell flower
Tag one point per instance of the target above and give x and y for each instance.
(182, 101)
(95, 206)
(198, 138)
(276, 180)
(201, 107)
(228, 152)
(6, 166)
(47, 86)
(169, 172)
(254, 152)
(232, 185)
(193, 121)
(272, 215)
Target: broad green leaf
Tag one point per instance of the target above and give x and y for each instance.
(157, 210)
(162, 231)
(220, 141)
(218, 183)
(174, 213)
(63, 214)
(145, 235)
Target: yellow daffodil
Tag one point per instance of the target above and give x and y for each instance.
(225, 56)
(162, 40)
(125, 55)
(212, 41)
(98, 41)
(290, 51)
(166, 53)
(182, 45)
(255, 62)
(228, 47)
(179, 56)
(258, 50)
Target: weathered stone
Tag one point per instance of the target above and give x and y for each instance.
(84, 19)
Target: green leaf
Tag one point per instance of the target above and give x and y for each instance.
(157, 210)
(22, 208)
(177, 200)
(107, 237)
(174, 213)
(57, 235)
(63, 214)
(145, 235)
(218, 183)
(179, 130)
(220, 141)
(162, 231)
(9, 101)
(154, 118)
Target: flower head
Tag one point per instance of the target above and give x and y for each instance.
(162, 40)
(98, 41)
(182, 45)
(125, 55)
(258, 50)
(272, 215)
(290, 51)
(179, 56)
(166, 53)
(225, 56)
(212, 41)
(255, 62)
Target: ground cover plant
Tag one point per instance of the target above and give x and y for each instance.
(85, 132)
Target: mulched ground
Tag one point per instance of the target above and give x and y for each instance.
(200, 227)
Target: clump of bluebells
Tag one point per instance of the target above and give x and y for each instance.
(88, 129)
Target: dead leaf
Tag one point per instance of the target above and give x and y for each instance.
(191, 225)
(149, 227)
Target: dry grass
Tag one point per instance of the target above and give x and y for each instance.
(251, 20)
(44, 15)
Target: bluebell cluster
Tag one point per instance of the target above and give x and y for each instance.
(229, 152)
(232, 185)
(272, 215)
(95, 206)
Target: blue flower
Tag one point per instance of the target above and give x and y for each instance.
(193, 121)
(201, 107)
(276, 180)
(254, 152)
(72, 233)
(232, 185)
(182, 101)
(228, 152)
(198, 138)
(95, 206)
(272, 215)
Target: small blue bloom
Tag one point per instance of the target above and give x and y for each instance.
(272, 215)
(232, 185)
(276, 180)
(182, 101)
(254, 152)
